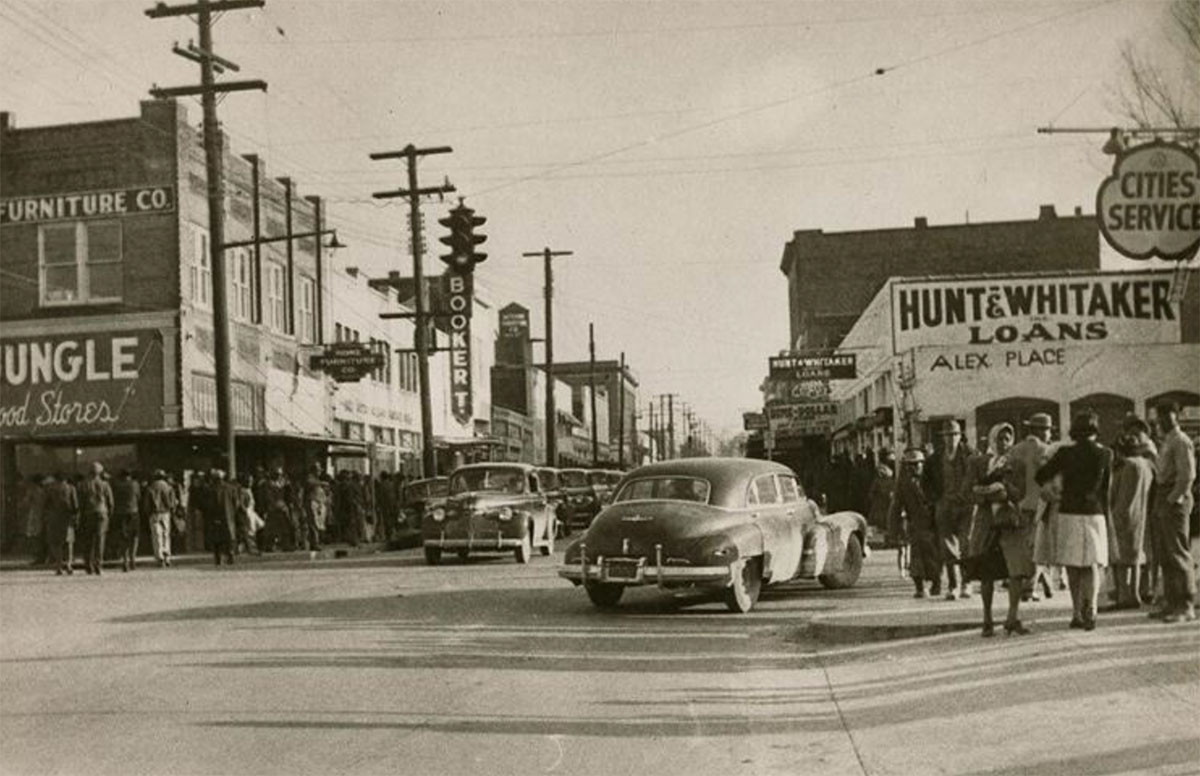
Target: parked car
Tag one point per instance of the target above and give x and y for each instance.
(581, 498)
(556, 497)
(732, 524)
(490, 508)
(606, 484)
(416, 498)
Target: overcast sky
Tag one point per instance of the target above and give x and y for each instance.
(673, 146)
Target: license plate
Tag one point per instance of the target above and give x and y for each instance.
(622, 569)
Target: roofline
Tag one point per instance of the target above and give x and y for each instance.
(1037, 274)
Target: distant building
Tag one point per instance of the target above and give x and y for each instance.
(833, 276)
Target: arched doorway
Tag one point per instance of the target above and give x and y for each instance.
(1111, 408)
(1015, 410)
(1189, 403)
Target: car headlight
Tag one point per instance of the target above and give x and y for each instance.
(505, 513)
(438, 515)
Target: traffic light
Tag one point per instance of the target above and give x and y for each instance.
(462, 239)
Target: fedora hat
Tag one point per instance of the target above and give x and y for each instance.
(1039, 420)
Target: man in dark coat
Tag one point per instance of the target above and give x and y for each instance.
(62, 516)
(277, 509)
(910, 519)
(127, 496)
(220, 509)
(947, 484)
(350, 507)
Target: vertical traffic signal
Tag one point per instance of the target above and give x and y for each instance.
(462, 240)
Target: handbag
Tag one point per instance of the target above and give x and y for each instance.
(979, 532)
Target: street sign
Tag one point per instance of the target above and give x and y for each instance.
(814, 365)
(803, 419)
(347, 362)
(1150, 205)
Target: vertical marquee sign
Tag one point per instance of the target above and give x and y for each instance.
(458, 288)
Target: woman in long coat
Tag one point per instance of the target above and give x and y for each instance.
(997, 545)
(1076, 536)
(1129, 499)
(911, 519)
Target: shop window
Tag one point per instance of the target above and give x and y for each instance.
(308, 310)
(81, 263)
(247, 402)
(200, 271)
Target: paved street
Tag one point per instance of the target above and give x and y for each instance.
(383, 665)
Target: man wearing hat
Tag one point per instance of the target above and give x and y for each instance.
(911, 517)
(1026, 457)
(947, 483)
(159, 503)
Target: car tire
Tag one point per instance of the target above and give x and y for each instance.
(433, 555)
(524, 553)
(851, 567)
(741, 596)
(604, 595)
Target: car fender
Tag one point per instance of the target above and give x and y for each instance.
(830, 535)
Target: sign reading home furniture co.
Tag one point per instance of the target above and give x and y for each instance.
(72, 206)
(1035, 310)
(1150, 205)
(100, 382)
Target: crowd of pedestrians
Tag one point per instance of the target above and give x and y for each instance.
(260, 512)
(1019, 512)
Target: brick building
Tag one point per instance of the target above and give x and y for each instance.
(832, 277)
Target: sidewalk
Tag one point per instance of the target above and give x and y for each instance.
(19, 562)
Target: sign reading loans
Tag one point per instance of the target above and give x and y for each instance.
(1150, 205)
(100, 382)
(1098, 308)
(87, 204)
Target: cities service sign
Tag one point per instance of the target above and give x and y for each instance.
(1150, 205)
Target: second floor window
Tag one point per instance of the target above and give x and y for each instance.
(308, 312)
(81, 263)
(241, 274)
(200, 272)
(276, 308)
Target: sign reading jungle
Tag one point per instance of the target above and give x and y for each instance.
(1099, 308)
(88, 204)
(71, 383)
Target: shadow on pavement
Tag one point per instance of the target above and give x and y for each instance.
(1161, 754)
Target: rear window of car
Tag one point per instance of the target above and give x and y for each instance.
(573, 479)
(666, 488)
(487, 480)
(596, 478)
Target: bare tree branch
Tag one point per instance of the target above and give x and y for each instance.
(1162, 86)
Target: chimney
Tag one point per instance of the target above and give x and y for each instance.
(1046, 212)
(920, 222)
(1078, 210)
(7, 120)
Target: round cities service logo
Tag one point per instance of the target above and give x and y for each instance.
(1150, 205)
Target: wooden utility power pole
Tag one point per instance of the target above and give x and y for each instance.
(621, 415)
(210, 65)
(652, 430)
(551, 419)
(421, 320)
(592, 392)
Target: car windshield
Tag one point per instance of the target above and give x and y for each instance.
(488, 480)
(665, 488)
(548, 479)
(421, 490)
(571, 479)
(597, 478)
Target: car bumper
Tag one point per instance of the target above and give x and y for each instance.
(646, 571)
(482, 543)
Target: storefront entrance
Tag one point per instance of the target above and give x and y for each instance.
(1111, 408)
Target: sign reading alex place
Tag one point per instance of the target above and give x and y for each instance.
(1150, 205)
(100, 382)
(106, 203)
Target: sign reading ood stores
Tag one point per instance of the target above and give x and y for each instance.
(79, 383)
(1035, 311)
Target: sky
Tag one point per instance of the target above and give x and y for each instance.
(672, 146)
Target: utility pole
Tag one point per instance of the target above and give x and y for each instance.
(653, 429)
(551, 414)
(592, 392)
(621, 413)
(413, 194)
(210, 65)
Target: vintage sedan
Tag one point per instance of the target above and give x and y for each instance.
(582, 501)
(491, 508)
(731, 524)
(416, 498)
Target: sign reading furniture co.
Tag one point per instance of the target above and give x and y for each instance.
(1150, 205)
(1099, 308)
(89, 382)
(87, 204)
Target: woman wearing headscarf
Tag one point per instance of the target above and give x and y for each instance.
(1076, 535)
(998, 542)
(1129, 501)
